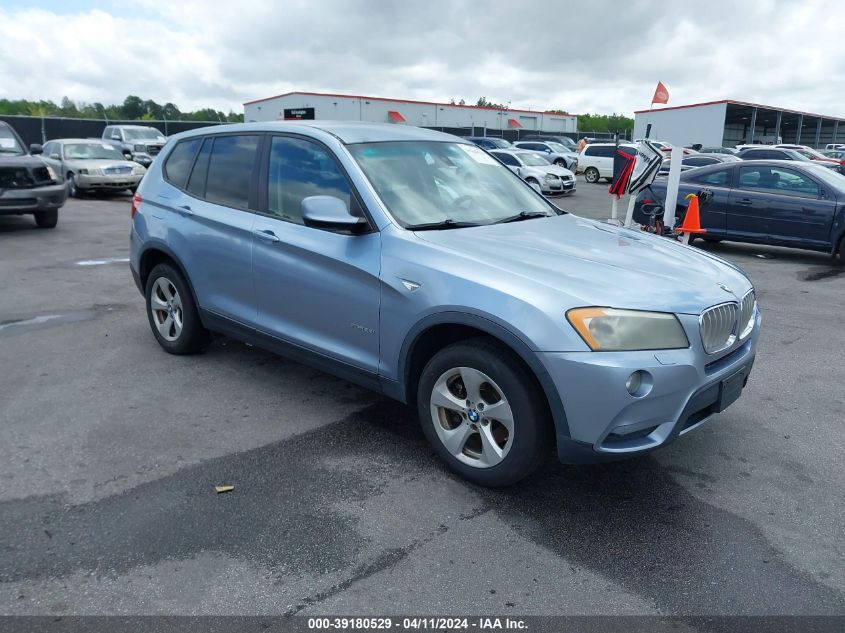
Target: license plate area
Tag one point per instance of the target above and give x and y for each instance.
(731, 388)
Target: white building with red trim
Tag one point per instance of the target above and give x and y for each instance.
(338, 107)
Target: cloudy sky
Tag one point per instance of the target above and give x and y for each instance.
(597, 56)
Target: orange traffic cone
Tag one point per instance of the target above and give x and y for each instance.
(692, 223)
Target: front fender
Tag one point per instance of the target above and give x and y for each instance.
(494, 328)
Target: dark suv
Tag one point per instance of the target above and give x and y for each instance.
(29, 183)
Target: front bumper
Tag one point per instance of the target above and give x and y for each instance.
(604, 422)
(118, 181)
(142, 158)
(16, 201)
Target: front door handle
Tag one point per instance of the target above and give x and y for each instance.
(744, 202)
(266, 234)
(184, 209)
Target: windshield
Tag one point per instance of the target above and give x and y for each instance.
(557, 147)
(568, 143)
(9, 143)
(91, 151)
(534, 160)
(143, 134)
(423, 182)
(796, 155)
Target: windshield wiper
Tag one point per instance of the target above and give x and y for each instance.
(523, 215)
(448, 223)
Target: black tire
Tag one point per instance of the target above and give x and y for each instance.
(591, 175)
(192, 337)
(72, 189)
(560, 162)
(535, 184)
(532, 427)
(712, 240)
(47, 219)
(839, 255)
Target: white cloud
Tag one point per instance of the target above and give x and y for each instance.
(601, 56)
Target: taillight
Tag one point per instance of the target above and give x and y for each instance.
(842, 162)
(136, 200)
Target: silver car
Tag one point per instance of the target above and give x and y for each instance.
(555, 152)
(415, 263)
(537, 171)
(93, 165)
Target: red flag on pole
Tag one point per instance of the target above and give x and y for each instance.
(661, 94)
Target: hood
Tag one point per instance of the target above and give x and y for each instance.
(599, 264)
(25, 160)
(560, 171)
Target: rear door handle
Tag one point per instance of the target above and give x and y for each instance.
(184, 209)
(744, 202)
(267, 234)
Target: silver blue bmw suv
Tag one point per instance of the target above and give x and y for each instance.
(414, 263)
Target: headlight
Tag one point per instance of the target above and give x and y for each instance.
(552, 177)
(138, 170)
(92, 171)
(51, 173)
(611, 330)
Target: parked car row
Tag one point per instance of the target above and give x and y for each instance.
(537, 171)
(798, 203)
(39, 179)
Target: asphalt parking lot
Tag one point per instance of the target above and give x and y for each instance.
(111, 449)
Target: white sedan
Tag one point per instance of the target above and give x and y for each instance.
(537, 171)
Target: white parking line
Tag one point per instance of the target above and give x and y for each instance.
(33, 321)
(100, 262)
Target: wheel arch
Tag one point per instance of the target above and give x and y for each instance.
(157, 254)
(436, 331)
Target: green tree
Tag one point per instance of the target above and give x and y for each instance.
(132, 108)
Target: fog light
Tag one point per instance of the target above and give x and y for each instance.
(639, 383)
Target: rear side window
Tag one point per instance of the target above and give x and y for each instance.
(196, 183)
(299, 169)
(718, 178)
(179, 162)
(230, 169)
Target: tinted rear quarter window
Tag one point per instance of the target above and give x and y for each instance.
(230, 169)
(196, 182)
(507, 159)
(179, 161)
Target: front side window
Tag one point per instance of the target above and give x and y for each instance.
(230, 169)
(425, 182)
(299, 169)
(777, 180)
(180, 160)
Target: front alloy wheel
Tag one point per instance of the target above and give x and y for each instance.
(483, 412)
(472, 417)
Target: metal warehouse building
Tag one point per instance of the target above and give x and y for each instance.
(313, 105)
(729, 123)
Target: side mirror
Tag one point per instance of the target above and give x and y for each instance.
(115, 136)
(55, 157)
(548, 151)
(329, 212)
(36, 148)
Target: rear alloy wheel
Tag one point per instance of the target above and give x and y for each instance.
(47, 219)
(560, 162)
(172, 314)
(483, 413)
(591, 175)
